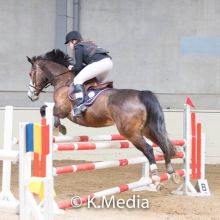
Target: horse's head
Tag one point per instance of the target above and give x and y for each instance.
(46, 69)
(38, 79)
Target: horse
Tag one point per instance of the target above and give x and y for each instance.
(137, 115)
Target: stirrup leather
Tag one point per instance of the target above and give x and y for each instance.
(78, 110)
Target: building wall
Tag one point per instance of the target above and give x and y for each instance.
(143, 36)
(146, 41)
(27, 28)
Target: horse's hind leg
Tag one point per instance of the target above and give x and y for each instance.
(140, 143)
(167, 148)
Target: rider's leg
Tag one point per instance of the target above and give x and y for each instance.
(96, 69)
(99, 68)
(79, 94)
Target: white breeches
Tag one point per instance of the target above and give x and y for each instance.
(99, 69)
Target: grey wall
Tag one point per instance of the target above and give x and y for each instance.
(27, 27)
(144, 37)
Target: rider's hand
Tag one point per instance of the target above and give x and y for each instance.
(70, 67)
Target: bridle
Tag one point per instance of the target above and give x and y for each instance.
(49, 83)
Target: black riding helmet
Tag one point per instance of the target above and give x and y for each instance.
(73, 35)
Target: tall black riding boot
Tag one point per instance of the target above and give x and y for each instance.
(79, 107)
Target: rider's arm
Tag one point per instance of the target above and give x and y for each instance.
(79, 59)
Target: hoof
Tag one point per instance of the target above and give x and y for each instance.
(62, 129)
(43, 111)
(175, 178)
(159, 186)
(55, 131)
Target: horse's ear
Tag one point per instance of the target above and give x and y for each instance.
(29, 60)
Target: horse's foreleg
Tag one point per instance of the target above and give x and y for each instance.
(57, 124)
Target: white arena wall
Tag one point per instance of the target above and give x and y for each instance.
(174, 122)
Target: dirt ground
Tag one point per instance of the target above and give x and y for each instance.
(162, 205)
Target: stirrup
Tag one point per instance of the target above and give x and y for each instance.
(77, 111)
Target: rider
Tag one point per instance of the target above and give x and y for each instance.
(90, 61)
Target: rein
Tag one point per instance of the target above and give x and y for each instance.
(54, 78)
(47, 84)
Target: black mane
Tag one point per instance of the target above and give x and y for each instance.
(58, 56)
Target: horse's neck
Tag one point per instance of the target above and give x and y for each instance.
(59, 76)
(63, 80)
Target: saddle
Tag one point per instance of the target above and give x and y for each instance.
(93, 89)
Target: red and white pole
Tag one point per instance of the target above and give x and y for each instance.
(114, 190)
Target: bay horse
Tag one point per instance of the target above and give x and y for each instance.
(136, 114)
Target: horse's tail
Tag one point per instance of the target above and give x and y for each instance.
(156, 123)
